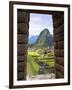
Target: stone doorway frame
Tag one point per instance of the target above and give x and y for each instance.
(57, 44)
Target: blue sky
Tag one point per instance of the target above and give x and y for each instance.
(38, 22)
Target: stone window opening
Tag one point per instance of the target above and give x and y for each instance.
(22, 41)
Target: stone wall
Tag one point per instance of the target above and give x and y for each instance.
(58, 23)
(22, 43)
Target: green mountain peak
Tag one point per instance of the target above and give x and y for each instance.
(45, 39)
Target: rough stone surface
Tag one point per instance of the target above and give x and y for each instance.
(58, 23)
(22, 43)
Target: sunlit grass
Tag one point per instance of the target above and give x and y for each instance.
(32, 66)
(32, 53)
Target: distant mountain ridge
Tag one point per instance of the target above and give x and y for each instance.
(44, 40)
(32, 39)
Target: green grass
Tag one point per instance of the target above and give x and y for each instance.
(32, 66)
(49, 63)
(32, 53)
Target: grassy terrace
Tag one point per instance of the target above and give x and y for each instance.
(33, 66)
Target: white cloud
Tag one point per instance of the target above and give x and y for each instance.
(38, 22)
(35, 19)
